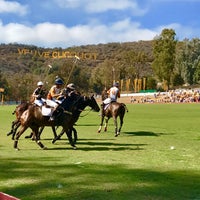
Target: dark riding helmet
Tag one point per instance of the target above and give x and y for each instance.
(59, 81)
(116, 84)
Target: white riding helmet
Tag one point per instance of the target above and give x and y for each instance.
(40, 83)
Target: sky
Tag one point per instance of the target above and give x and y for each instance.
(67, 23)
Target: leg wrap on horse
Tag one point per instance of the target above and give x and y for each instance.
(15, 144)
(40, 144)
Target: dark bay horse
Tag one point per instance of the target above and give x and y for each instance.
(33, 118)
(114, 109)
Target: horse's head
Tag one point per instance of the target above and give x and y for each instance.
(79, 102)
(91, 102)
(71, 101)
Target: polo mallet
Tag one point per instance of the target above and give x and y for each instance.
(47, 72)
(73, 66)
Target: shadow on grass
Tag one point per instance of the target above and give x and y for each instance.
(95, 145)
(43, 179)
(143, 133)
(95, 125)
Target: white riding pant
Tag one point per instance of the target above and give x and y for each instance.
(39, 102)
(51, 103)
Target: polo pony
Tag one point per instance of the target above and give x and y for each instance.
(33, 118)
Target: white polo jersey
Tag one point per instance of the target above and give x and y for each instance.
(113, 93)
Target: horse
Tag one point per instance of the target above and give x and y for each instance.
(16, 123)
(33, 118)
(76, 116)
(113, 109)
(18, 113)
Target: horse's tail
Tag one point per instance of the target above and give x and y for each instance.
(15, 110)
(124, 105)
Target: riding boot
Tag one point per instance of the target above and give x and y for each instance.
(55, 113)
(52, 118)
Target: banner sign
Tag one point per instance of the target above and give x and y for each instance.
(58, 54)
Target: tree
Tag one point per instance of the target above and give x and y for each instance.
(164, 51)
(104, 75)
(135, 62)
(4, 85)
(189, 60)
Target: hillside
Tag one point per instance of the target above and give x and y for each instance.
(21, 66)
(19, 57)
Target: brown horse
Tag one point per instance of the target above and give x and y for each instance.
(16, 123)
(114, 109)
(18, 113)
(33, 118)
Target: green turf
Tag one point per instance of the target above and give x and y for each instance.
(139, 164)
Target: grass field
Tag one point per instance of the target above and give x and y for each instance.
(156, 157)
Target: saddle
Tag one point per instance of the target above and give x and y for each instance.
(47, 111)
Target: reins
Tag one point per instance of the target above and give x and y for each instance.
(86, 113)
(79, 110)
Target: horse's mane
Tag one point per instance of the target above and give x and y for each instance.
(104, 94)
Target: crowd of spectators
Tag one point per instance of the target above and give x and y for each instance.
(172, 96)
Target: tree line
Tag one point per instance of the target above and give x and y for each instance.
(164, 60)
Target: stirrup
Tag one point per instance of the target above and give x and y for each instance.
(52, 118)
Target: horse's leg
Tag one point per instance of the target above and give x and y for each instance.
(58, 136)
(75, 135)
(12, 127)
(62, 132)
(19, 133)
(115, 123)
(101, 124)
(40, 132)
(69, 135)
(121, 122)
(74, 139)
(106, 125)
(29, 136)
(37, 137)
(54, 131)
(17, 125)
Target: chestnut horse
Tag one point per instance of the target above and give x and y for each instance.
(16, 123)
(114, 109)
(33, 118)
(18, 113)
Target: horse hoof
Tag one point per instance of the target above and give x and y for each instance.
(17, 149)
(53, 141)
(44, 148)
(74, 147)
